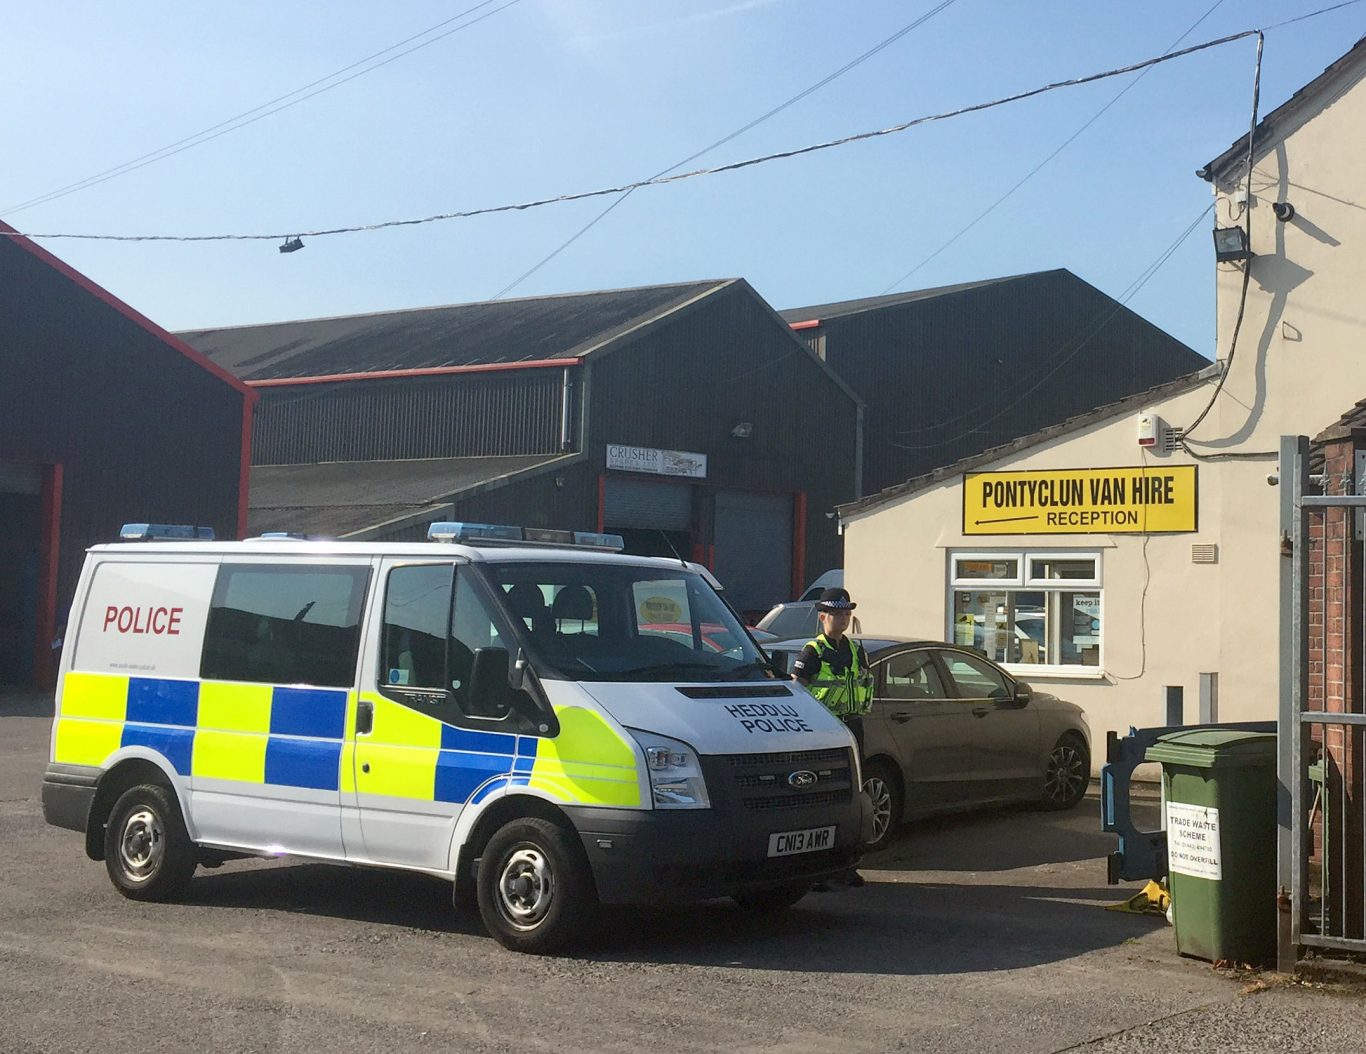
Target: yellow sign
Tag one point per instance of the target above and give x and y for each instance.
(657, 610)
(1145, 500)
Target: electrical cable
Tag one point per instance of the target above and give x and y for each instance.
(204, 136)
(1247, 264)
(852, 64)
(661, 180)
(1061, 147)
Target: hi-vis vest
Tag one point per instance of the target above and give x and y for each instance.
(841, 694)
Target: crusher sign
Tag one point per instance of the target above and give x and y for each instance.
(1081, 501)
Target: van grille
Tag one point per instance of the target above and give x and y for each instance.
(759, 782)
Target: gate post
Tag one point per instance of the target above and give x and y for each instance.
(1293, 686)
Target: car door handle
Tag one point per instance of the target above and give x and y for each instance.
(980, 711)
(365, 718)
(901, 717)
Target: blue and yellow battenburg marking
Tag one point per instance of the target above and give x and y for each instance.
(302, 737)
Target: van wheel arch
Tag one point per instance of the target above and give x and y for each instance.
(124, 776)
(503, 811)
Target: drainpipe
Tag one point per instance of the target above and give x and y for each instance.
(566, 412)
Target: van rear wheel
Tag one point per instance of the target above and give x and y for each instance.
(535, 888)
(147, 851)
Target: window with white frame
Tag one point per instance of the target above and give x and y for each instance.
(1028, 609)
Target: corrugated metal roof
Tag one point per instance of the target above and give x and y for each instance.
(499, 331)
(338, 498)
(1073, 424)
(1270, 127)
(873, 303)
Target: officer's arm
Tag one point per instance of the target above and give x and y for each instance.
(805, 667)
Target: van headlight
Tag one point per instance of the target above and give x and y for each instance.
(675, 772)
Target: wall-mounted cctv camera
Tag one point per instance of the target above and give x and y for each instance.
(1284, 211)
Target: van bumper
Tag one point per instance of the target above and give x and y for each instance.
(665, 855)
(68, 792)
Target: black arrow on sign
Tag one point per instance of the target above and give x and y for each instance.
(1006, 519)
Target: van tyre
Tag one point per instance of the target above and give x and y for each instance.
(535, 888)
(1068, 773)
(771, 901)
(147, 851)
(884, 791)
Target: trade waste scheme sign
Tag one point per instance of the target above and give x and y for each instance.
(1140, 500)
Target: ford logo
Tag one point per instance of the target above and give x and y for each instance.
(801, 778)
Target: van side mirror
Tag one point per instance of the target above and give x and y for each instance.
(500, 685)
(489, 679)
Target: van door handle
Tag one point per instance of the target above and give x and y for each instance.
(980, 711)
(365, 718)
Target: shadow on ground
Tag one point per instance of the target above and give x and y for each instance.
(906, 921)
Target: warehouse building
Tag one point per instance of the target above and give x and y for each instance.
(105, 418)
(947, 373)
(688, 418)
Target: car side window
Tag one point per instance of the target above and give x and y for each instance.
(912, 675)
(975, 678)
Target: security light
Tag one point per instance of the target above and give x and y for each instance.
(1230, 243)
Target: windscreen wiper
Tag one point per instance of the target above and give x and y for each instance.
(670, 667)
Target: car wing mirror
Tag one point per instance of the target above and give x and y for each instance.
(1023, 693)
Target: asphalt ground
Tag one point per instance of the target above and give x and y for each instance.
(976, 933)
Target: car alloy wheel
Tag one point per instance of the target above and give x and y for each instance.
(1066, 778)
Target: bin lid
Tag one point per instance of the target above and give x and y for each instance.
(1214, 748)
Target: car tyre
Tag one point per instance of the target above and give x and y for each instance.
(1068, 773)
(147, 850)
(884, 791)
(535, 888)
(771, 901)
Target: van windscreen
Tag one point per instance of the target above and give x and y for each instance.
(624, 622)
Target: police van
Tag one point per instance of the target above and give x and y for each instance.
(545, 722)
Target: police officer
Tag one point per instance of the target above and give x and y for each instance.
(835, 670)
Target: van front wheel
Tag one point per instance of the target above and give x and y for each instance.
(147, 851)
(535, 890)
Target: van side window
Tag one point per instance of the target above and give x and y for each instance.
(434, 621)
(417, 613)
(285, 624)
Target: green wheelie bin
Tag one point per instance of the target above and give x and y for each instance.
(1220, 793)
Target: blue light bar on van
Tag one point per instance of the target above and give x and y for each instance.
(290, 536)
(473, 533)
(612, 543)
(502, 534)
(150, 532)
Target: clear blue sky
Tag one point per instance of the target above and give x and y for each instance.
(554, 96)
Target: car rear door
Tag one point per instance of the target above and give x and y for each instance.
(1005, 731)
(932, 731)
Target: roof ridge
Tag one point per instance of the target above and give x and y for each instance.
(464, 303)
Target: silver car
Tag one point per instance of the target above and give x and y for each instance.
(951, 730)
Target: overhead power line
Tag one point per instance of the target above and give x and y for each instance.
(679, 177)
(1042, 164)
(852, 64)
(268, 108)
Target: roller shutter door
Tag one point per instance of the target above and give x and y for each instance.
(753, 534)
(645, 503)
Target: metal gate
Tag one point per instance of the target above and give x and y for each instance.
(1320, 813)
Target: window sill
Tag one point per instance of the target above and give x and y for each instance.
(1053, 673)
